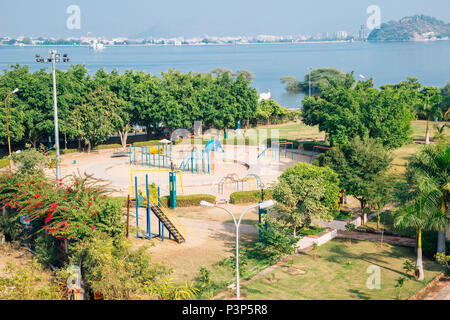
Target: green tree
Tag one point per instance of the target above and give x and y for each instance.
(320, 79)
(94, 119)
(433, 161)
(345, 113)
(306, 192)
(418, 212)
(430, 107)
(359, 164)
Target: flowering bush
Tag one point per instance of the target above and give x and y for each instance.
(71, 212)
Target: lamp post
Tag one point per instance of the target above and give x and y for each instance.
(7, 126)
(365, 78)
(309, 80)
(262, 205)
(53, 59)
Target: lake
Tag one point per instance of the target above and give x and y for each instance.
(385, 62)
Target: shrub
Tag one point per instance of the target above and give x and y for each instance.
(27, 283)
(275, 242)
(115, 270)
(189, 200)
(309, 145)
(29, 161)
(252, 196)
(67, 213)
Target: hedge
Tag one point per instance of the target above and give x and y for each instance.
(252, 196)
(192, 200)
(309, 145)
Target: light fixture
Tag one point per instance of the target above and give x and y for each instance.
(266, 204)
(206, 204)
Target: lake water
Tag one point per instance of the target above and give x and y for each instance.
(385, 62)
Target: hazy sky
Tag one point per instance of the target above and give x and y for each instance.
(204, 17)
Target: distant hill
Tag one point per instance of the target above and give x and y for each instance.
(415, 28)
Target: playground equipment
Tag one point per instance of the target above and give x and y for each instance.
(213, 145)
(317, 148)
(152, 202)
(262, 150)
(160, 157)
(253, 181)
(191, 161)
(276, 147)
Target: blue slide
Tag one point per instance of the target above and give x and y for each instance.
(213, 145)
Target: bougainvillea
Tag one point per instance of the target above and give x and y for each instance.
(69, 213)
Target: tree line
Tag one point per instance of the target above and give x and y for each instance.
(91, 108)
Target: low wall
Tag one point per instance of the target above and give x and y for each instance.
(319, 239)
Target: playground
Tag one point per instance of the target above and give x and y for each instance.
(147, 174)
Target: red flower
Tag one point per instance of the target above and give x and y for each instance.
(37, 195)
(93, 228)
(48, 218)
(90, 203)
(54, 205)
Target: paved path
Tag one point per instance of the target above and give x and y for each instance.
(441, 291)
(400, 241)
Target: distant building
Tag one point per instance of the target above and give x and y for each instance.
(341, 35)
(362, 33)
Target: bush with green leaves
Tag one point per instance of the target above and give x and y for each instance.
(252, 196)
(275, 242)
(27, 282)
(304, 193)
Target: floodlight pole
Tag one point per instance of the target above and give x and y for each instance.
(53, 58)
(55, 112)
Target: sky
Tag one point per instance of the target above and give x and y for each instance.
(189, 18)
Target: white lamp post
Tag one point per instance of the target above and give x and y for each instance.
(53, 59)
(263, 205)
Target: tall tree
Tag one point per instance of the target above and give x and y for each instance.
(344, 113)
(359, 164)
(306, 192)
(430, 107)
(418, 212)
(95, 117)
(433, 161)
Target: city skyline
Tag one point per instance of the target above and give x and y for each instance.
(141, 19)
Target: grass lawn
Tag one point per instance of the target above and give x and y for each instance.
(419, 128)
(337, 270)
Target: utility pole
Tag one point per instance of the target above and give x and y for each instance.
(53, 59)
(309, 80)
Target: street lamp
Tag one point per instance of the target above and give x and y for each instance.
(309, 80)
(7, 126)
(365, 78)
(53, 59)
(263, 205)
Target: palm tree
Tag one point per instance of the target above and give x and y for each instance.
(434, 162)
(418, 212)
(430, 108)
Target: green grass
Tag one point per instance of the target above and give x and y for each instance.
(419, 128)
(337, 270)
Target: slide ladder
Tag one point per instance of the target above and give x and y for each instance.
(172, 224)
